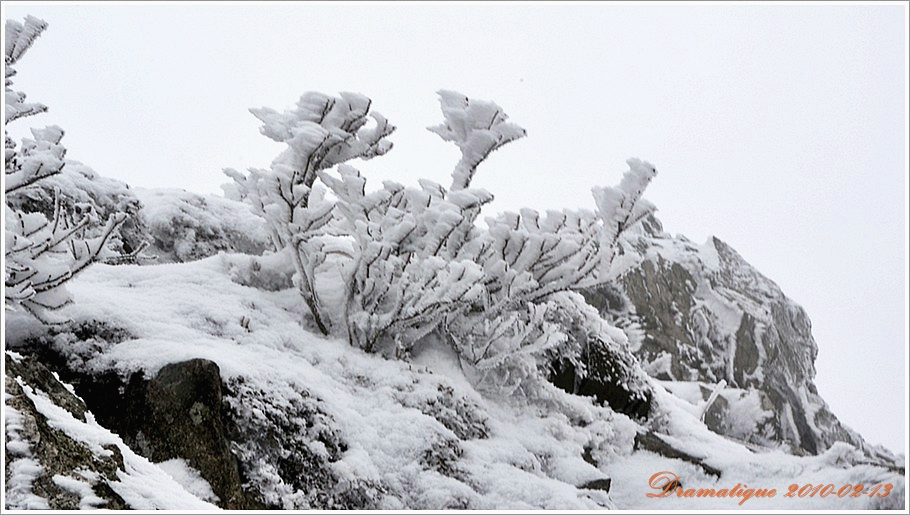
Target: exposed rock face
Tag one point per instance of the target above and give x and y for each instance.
(702, 313)
(177, 414)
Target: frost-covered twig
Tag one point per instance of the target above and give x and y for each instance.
(41, 255)
(320, 133)
(717, 389)
(477, 127)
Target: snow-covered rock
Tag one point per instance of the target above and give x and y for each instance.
(702, 314)
(184, 226)
(59, 457)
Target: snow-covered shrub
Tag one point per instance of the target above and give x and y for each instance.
(413, 261)
(42, 252)
(401, 277)
(82, 191)
(321, 132)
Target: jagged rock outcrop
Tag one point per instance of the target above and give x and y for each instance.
(702, 313)
(54, 464)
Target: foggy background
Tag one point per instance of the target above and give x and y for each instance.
(780, 129)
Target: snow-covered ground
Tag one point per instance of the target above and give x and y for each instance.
(522, 453)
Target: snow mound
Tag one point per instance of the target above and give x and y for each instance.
(186, 226)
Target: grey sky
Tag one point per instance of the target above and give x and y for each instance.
(781, 129)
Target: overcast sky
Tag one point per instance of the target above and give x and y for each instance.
(780, 129)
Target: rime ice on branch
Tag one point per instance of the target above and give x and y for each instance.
(412, 261)
(477, 127)
(321, 132)
(41, 254)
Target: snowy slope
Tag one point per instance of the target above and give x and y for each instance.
(393, 434)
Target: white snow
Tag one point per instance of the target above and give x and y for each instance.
(19, 496)
(707, 253)
(23, 468)
(14, 355)
(189, 478)
(87, 498)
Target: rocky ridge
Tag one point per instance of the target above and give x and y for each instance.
(702, 314)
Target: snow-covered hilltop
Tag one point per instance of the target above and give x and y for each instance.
(307, 342)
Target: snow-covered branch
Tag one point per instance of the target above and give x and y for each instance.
(477, 127)
(322, 132)
(19, 38)
(41, 254)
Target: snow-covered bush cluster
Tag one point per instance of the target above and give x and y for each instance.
(412, 262)
(43, 250)
(82, 191)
